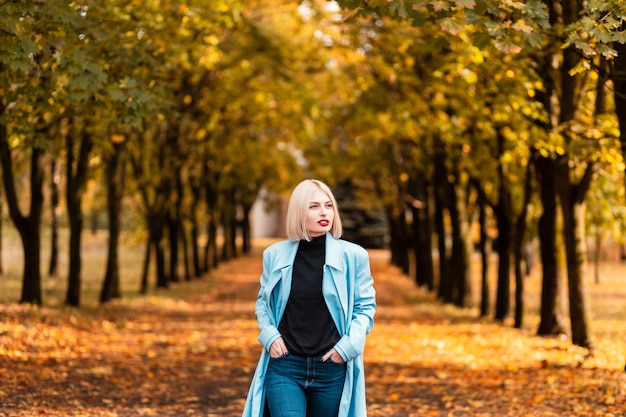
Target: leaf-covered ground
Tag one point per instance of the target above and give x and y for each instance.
(191, 351)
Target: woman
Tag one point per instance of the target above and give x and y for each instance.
(315, 308)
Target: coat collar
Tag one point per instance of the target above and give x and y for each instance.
(286, 257)
(333, 254)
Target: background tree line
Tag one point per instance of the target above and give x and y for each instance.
(452, 117)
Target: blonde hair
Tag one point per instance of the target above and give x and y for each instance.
(298, 207)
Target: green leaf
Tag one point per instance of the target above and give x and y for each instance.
(377, 4)
(452, 26)
(419, 18)
(399, 7)
(465, 4)
(481, 40)
(507, 46)
(116, 93)
(534, 39)
(607, 51)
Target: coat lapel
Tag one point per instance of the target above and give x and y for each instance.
(283, 271)
(334, 274)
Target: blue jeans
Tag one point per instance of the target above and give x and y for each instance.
(304, 387)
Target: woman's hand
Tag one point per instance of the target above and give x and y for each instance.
(278, 348)
(333, 355)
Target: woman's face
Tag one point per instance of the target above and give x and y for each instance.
(320, 215)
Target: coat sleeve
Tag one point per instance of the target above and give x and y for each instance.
(352, 344)
(265, 318)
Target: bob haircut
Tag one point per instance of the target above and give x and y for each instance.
(298, 208)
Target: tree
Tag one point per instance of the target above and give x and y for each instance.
(27, 226)
(76, 176)
(27, 118)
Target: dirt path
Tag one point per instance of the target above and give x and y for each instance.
(191, 351)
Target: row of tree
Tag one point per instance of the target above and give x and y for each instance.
(445, 114)
(501, 108)
(178, 113)
(167, 108)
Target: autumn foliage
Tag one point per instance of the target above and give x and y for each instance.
(191, 351)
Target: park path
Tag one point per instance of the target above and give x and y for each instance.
(191, 351)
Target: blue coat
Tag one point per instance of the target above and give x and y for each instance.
(348, 289)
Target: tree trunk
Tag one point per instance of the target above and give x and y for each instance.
(572, 196)
(441, 186)
(234, 227)
(156, 206)
(503, 248)
(573, 229)
(155, 245)
(504, 216)
(195, 248)
(173, 239)
(519, 252)
(27, 226)
(619, 85)
(75, 189)
(483, 249)
(545, 171)
(519, 284)
(399, 240)
(180, 224)
(246, 237)
(226, 220)
(156, 241)
(248, 198)
(461, 245)
(551, 320)
(156, 227)
(115, 178)
(185, 249)
(212, 249)
(31, 243)
(196, 196)
(422, 246)
(175, 225)
(211, 257)
(54, 219)
(207, 246)
(146, 268)
(1, 232)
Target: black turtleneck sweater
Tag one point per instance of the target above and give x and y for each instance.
(307, 326)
